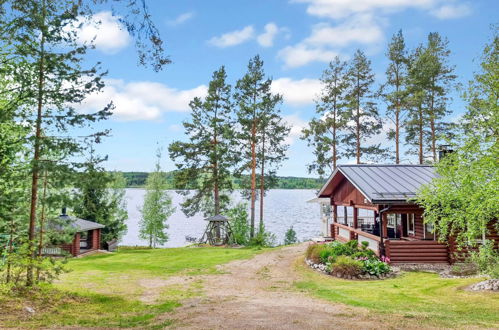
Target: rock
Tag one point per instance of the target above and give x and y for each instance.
(488, 285)
(29, 310)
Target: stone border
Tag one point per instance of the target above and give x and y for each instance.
(322, 269)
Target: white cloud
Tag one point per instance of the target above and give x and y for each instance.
(233, 38)
(451, 11)
(180, 19)
(143, 100)
(359, 29)
(266, 39)
(104, 31)
(344, 8)
(297, 92)
(296, 124)
(302, 54)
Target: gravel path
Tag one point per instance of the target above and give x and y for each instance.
(258, 294)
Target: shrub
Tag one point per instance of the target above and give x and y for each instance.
(487, 259)
(238, 220)
(375, 267)
(263, 239)
(290, 236)
(351, 248)
(346, 266)
(313, 252)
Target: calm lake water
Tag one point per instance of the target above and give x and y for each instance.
(283, 208)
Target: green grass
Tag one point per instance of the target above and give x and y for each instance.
(104, 290)
(425, 298)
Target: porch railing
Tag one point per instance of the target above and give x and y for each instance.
(346, 233)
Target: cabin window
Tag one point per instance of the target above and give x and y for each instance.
(410, 223)
(429, 231)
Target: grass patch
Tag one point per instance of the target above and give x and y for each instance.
(423, 297)
(104, 290)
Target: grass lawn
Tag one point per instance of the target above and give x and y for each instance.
(105, 290)
(424, 297)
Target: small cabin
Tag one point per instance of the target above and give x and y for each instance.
(374, 204)
(86, 238)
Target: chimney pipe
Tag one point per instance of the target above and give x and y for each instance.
(63, 212)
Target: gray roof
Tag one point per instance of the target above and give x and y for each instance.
(217, 217)
(80, 224)
(385, 183)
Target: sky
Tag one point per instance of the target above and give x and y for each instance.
(295, 38)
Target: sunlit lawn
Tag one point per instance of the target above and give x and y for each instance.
(104, 290)
(424, 297)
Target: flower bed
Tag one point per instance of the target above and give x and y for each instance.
(348, 260)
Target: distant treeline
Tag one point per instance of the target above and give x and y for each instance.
(138, 180)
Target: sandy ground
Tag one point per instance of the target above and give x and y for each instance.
(258, 294)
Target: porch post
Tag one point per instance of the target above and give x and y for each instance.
(335, 220)
(355, 222)
(385, 225)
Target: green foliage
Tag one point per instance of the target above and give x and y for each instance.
(314, 251)
(362, 111)
(290, 236)
(324, 133)
(263, 238)
(334, 249)
(487, 259)
(464, 269)
(374, 266)
(345, 266)
(100, 197)
(205, 162)
(238, 220)
(157, 208)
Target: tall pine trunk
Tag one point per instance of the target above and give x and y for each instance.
(420, 140)
(357, 123)
(397, 123)
(253, 178)
(262, 183)
(36, 158)
(335, 155)
(432, 125)
(216, 191)
(42, 222)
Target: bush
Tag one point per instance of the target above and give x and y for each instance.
(346, 266)
(487, 259)
(238, 220)
(263, 238)
(313, 252)
(351, 248)
(374, 267)
(290, 236)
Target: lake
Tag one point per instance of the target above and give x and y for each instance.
(283, 208)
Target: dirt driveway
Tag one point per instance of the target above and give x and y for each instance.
(258, 294)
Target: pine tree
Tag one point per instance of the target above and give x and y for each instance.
(205, 162)
(429, 80)
(440, 81)
(254, 101)
(362, 113)
(271, 151)
(100, 197)
(394, 91)
(325, 132)
(157, 208)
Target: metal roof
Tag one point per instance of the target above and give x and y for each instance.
(81, 224)
(384, 183)
(217, 217)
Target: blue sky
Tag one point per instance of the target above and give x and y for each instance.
(295, 38)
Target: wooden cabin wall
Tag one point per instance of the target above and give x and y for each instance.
(347, 194)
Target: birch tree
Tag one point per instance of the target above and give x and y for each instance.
(157, 208)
